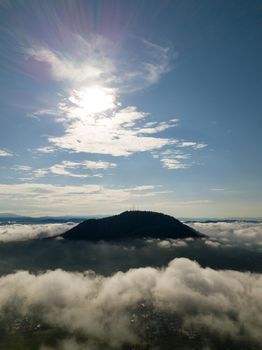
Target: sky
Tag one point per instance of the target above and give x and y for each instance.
(114, 105)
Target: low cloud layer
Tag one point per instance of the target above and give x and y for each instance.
(224, 303)
(22, 232)
(21, 247)
(219, 233)
(236, 232)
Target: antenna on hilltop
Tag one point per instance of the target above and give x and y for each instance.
(134, 207)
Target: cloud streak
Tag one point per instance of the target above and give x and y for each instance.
(74, 199)
(65, 169)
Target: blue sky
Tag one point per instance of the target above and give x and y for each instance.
(110, 105)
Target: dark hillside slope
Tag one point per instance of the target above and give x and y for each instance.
(131, 224)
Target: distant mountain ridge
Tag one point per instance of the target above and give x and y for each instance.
(8, 218)
(9, 215)
(131, 224)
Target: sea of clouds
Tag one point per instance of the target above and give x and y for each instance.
(219, 233)
(235, 232)
(212, 285)
(225, 303)
(228, 245)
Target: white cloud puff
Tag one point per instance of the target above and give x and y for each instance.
(168, 243)
(211, 243)
(94, 58)
(63, 68)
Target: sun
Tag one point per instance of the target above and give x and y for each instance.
(94, 99)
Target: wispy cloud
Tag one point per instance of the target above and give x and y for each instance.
(157, 127)
(173, 158)
(22, 168)
(194, 145)
(159, 63)
(146, 65)
(21, 232)
(83, 65)
(173, 164)
(61, 169)
(96, 59)
(90, 164)
(83, 199)
(39, 173)
(65, 168)
(4, 153)
(46, 149)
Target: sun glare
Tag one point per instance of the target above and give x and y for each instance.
(94, 99)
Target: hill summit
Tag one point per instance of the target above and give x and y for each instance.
(131, 224)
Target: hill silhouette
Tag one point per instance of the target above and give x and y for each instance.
(131, 224)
